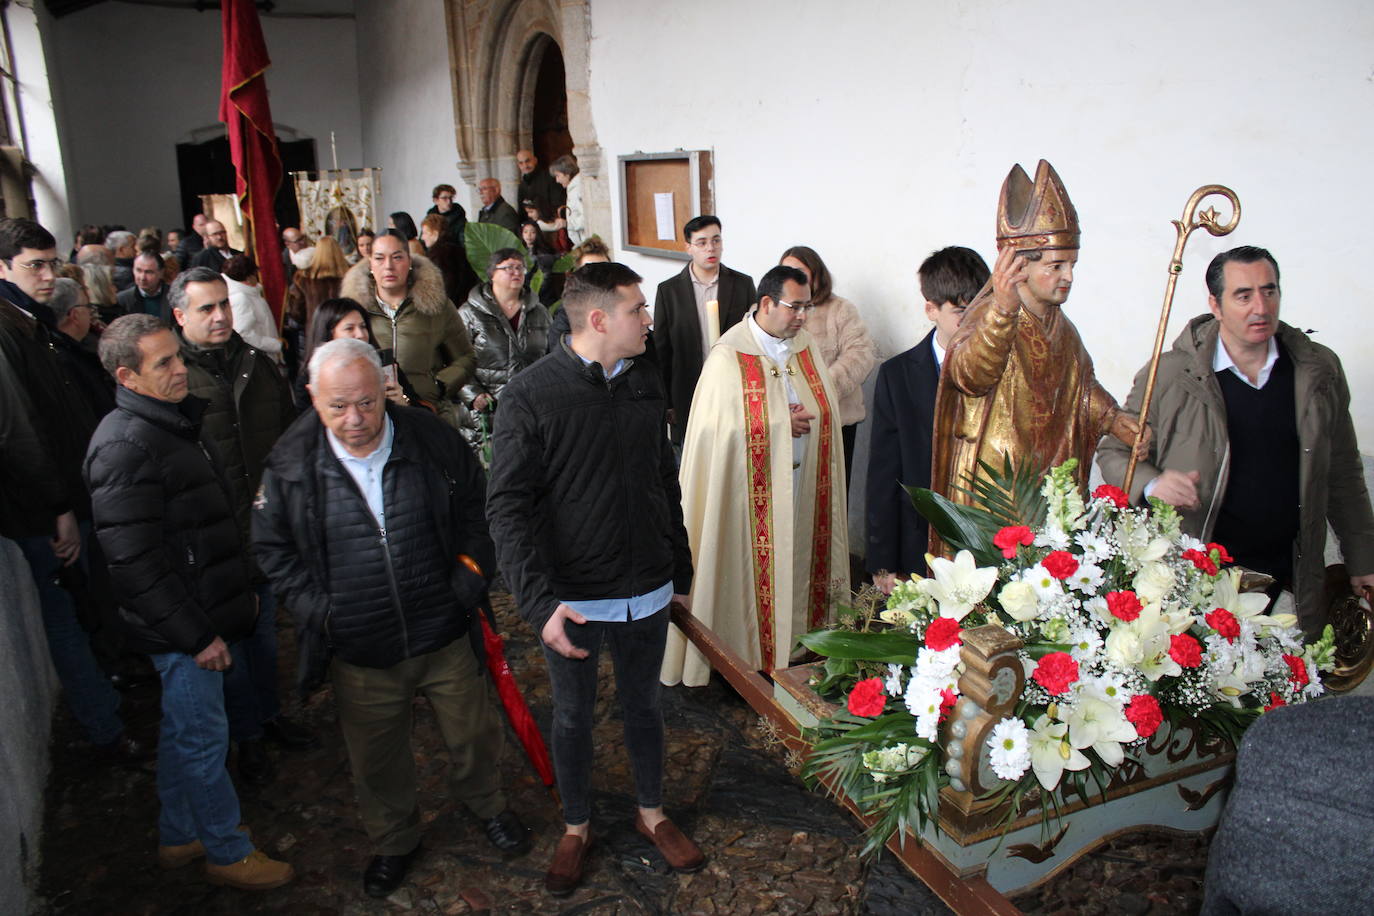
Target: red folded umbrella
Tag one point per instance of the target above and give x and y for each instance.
(517, 710)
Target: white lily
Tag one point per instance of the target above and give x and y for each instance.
(1244, 605)
(1051, 753)
(959, 584)
(1100, 725)
(1231, 687)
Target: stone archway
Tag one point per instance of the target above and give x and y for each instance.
(496, 48)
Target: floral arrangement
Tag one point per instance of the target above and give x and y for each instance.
(1126, 623)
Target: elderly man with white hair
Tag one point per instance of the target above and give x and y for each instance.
(383, 601)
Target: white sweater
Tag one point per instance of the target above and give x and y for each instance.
(253, 318)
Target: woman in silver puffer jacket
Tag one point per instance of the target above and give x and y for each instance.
(509, 330)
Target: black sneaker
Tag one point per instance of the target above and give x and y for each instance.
(507, 833)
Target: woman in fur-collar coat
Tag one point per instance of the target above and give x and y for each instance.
(422, 331)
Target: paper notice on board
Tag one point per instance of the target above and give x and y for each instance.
(663, 215)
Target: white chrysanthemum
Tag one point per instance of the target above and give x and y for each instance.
(1053, 537)
(923, 696)
(893, 685)
(1010, 746)
(1047, 587)
(1086, 578)
(1096, 548)
(1109, 686)
(1188, 542)
(937, 665)
(1314, 687)
(1084, 643)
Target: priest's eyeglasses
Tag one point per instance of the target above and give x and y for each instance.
(800, 308)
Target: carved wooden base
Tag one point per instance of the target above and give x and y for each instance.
(1179, 784)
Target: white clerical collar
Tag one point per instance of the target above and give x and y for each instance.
(939, 352)
(1222, 361)
(774, 348)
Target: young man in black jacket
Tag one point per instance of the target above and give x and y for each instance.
(45, 425)
(585, 508)
(162, 511)
(364, 510)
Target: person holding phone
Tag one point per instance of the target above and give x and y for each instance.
(338, 318)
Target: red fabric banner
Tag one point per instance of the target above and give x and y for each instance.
(246, 114)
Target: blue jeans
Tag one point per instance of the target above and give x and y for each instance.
(250, 685)
(637, 653)
(90, 696)
(193, 785)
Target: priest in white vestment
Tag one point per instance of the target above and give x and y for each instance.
(763, 493)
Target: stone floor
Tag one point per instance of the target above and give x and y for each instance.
(774, 846)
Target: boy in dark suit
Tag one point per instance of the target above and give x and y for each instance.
(680, 323)
(904, 416)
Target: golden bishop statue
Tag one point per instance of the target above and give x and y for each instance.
(1016, 380)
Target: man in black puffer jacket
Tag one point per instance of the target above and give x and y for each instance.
(364, 510)
(585, 507)
(249, 407)
(164, 517)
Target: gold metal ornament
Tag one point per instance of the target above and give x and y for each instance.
(1193, 218)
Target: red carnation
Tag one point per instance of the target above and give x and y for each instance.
(942, 633)
(1219, 554)
(1061, 564)
(1297, 671)
(1224, 622)
(947, 700)
(1116, 495)
(1275, 701)
(867, 698)
(1143, 712)
(1056, 672)
(1185, 650)
(1009, 538)
(1124, 605)
(1201, 560)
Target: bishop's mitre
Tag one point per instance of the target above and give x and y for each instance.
(1035, 215)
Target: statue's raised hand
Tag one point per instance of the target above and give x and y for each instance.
(1008, 275)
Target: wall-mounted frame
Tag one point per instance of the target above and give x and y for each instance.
(688, 175)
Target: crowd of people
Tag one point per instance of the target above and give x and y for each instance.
(180, 464)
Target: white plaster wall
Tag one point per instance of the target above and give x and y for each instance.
(405, 89)
(30, 30)
(137, 80)
(877, 132)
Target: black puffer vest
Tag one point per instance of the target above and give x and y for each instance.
(390, 591)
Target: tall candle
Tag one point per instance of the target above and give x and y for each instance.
(712, 321)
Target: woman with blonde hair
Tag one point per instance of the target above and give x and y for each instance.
(848, 350)
(318, 282)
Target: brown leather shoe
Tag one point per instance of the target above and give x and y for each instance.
(680, 853)
(565, 873)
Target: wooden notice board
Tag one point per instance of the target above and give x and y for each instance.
(644, 177)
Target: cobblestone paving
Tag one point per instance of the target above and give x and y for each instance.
(774, 847)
